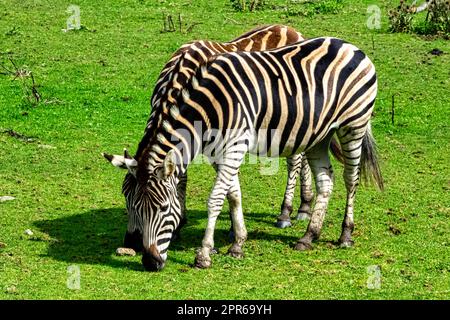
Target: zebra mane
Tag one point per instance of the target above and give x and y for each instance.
(169, 84)
(174, 77)
(168, 69)
(169, 87)
(186, 64)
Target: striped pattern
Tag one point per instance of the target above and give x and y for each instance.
(179, 70)
(185, 61)
(303, 92)
(280, 103)
(297, 166)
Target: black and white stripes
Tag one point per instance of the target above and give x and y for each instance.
(277, 103)
(176, 74)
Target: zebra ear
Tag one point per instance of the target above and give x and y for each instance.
(130, 162)
(123, 162)
(116, 161)
(169, 164)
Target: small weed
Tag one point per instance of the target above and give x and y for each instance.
(401, 18)
(293, 8)
(183, 27)
(26, 77)
(436, 22)
(13, 31)
(82, 28)
(311, 8)
(248, 5)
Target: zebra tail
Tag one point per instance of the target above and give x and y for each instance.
(336, 150)
(370, 168)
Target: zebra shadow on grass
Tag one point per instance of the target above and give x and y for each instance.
(192, 233)
(92, 237)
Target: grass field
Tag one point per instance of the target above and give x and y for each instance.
(95, 85)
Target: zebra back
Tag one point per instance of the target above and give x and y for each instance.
(184, 63)
(301, 91)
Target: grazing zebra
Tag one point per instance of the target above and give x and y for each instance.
(173, 78)
(182, 67)
(279, 102)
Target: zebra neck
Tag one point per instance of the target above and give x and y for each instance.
(177, 135)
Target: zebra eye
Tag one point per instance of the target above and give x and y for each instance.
(164, 208)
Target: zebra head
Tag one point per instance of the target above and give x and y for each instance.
(153, 207)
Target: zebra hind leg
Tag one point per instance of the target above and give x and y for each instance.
(293, 166)
(323, 173)
(306, 190)
(237, 218)
(351, 141)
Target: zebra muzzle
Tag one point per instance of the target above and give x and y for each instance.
(152, 260)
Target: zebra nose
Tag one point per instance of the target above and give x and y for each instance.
(151, 259)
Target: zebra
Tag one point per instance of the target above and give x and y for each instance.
(182, 66)
(176, 74)
(277, 103)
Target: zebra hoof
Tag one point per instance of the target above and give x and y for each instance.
(283, 224)
(302, 215)
(202, 263)
(303, 246)
(236, 252)
(346, 244)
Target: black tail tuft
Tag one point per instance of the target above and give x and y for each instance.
(370, 168)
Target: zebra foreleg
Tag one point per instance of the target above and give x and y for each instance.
(181, 190)
(226, 174)
(306, 190)
(294, 164)
(323, 173)
(231, 233)
(133, 236)
(133, 240)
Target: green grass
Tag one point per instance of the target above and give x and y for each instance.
(97, 87)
